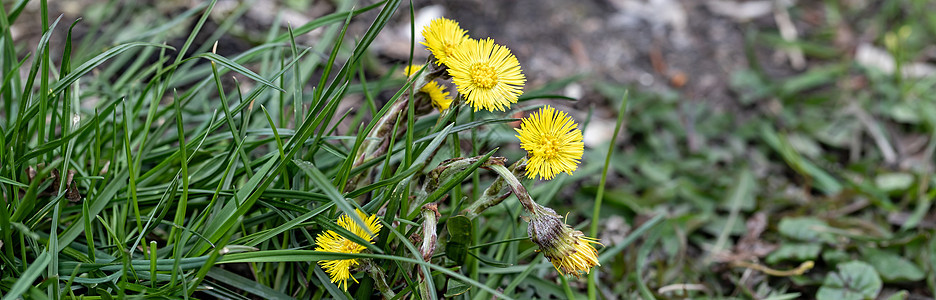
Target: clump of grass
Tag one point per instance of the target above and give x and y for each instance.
(142, 171)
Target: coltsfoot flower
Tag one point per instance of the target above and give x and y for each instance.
(487, 74)
(437, 94)
(340, 270)
(553, 143)
(440, 98)
(442, 36)
(411, 69)
(569, 250)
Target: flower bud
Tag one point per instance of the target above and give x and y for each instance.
(569, 250)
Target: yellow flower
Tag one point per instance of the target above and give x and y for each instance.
(553, 143)
(487, 74)
(411, 69)
(440, 98)
(340, 270)
(442, 37)
(569, 250)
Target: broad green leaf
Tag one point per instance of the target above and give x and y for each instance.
(892, 267)
(794, 252)
(456, 288)
(459, 230)
(835, 256)
(854, 280)
(806, 229)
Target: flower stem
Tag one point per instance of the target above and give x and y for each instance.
(430, 213)
(448, 169)
(379, 278)
(521, 192)
(378, 139)
(496, 192)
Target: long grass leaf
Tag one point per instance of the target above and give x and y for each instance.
(89, 65)
(26, 280)
(308, 255)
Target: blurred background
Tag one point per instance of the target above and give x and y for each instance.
(769, 132)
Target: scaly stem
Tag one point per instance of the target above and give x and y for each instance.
(496, 192)
(430, 213)
(379, 278)
(518, 189)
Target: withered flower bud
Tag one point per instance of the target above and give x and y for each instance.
(569, 250)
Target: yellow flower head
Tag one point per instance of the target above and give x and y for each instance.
(569, 250)
(411, 69)
(442, 37)
(440, 98)
(487, 74)
(553, 143)
(340, 270)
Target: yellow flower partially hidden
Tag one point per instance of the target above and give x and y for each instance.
(440, 98)
(340, 270)
(487, 74)
(411, 69)
(553, 143)
(569, 250)
(442, 36)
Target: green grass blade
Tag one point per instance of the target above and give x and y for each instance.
(308, 255)
(25, 281)
(245, 284)
(230, 64)
(339, 200)
(596, 212)
(89, 65)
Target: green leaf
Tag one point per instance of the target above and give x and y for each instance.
(307, 255)
(456, 288)
(780, 143)
(853, 280)
(230, 64)
(794, 252)
(324, 20)
(339, 200)
(835, 256)
(97, 61)
(815, 77)
(892, 267)
(901, 295)
(489, 261)
(892, 182)
(12, 182)
(248, 285)
(807, 229)
(26, 280)
(459, 230)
